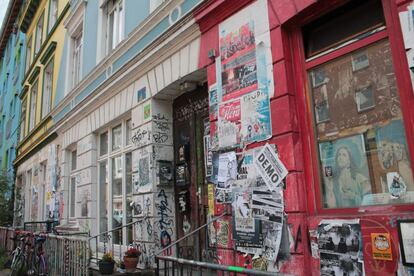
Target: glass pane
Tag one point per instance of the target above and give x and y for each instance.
(116, 137)
(73, 159)
(103, 196)
(117, 207)
(128, 133)
(128, 178)
(72, 196)
(103, 144)
(360, 133)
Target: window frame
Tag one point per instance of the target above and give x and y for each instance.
(36, 86)
(118, 26)
(29, 48)
(41, 19)
(55, 14)
(76, 57)
(301, 67)
(73, 170)
(23, 108)
(108, 158)
(51, 63)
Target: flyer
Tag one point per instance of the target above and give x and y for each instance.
(255, 117)
(340, 247)
(229, 124)
(270, 168)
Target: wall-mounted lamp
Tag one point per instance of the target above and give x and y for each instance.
(188, 86)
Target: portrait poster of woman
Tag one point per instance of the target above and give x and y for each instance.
(344, 172)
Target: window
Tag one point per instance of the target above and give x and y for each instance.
(33, 102)
(72, 184)
(47, 88)
(360, 135)
(76, 58)
(53, 14)
(115, 183)
(28, 53)
(113, 15)
(39, 34)
(23, 119)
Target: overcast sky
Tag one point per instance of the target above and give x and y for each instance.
(3, 8)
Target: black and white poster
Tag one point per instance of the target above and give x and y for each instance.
(340, 247)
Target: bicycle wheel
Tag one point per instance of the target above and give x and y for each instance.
(42, 267)
(17, 265)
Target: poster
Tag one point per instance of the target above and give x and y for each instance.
(255, 117)
(340, 247)
(272, 234)
(341, 159)
(210, 188)
(229, 124)
(245, 53)
(406, 236)
(245, 227)
(381, 246)
(270, 168)
(208, 156)
(267, 205)
(227, 170)
(142, 178)
(213, 102)
(224, 237)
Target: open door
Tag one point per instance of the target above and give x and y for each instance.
(190, 115)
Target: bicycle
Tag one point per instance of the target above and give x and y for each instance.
(37, 264)
(19, 255)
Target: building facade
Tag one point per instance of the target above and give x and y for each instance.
(36, 162)
(286, 124)
(12, 49)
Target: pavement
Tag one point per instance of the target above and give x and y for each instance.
(4, 272)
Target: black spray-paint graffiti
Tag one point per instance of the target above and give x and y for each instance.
(193, 106)
(139, 136)
(160, 137)
(164, 223)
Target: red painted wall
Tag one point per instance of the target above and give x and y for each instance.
(292, 122)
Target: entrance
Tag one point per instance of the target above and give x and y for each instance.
(190, 118)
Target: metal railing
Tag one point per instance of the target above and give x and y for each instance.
(180, 267)
(105, 240)
(168, 265)
(45, 226)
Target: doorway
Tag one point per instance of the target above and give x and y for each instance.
(190, 114)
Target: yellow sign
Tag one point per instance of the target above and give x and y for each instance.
(381, 246)
(211, 199)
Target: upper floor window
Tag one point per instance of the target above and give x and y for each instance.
(53, 14)
(361, 142)
(33, 103)
(47, 88)
(39, 34)
(23, 119)
(114, 22)
(28, 53)
(76, 58)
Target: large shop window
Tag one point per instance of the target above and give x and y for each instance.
(361, 143)
(115, 182)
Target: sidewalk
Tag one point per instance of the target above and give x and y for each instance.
(4, 272)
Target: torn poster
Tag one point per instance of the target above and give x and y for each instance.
(142, 179)
(214, 141)
(229, 124)
(213, 102)
(227, 170)
(245, 227)
(272, 235)
(224, 237)
(267, 205)
(242, 210)
(270, 168)
(208, 156)
(245, 53)
(340, 247)
(255, 117)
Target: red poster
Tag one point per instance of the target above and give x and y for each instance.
(229, 124)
